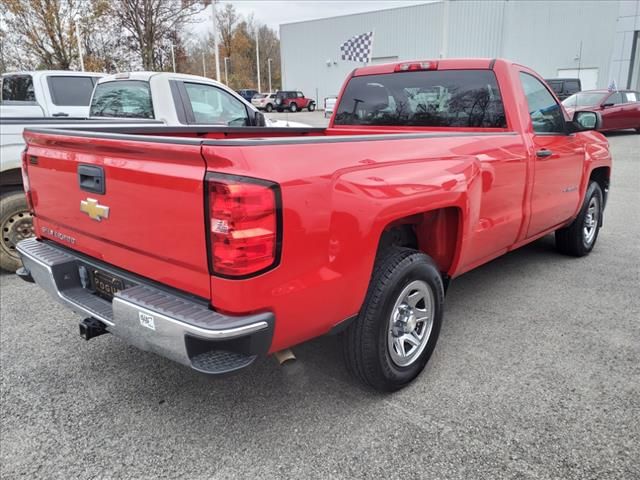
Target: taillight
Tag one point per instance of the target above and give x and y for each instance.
(416, 66)
(25, 180)
(244, 225)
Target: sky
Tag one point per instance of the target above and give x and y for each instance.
(275, 12)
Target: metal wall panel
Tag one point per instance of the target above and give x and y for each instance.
(543, 34)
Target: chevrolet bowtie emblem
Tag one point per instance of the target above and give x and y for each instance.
(96, 211)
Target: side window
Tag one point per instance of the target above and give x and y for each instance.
(122, 98)
(70, 91)
(556, 86)
(571, 86)
(213, 105)
(614, 99)
(291, 95)
(18, 88)
(300, 95)
(631, 97)
(546, 114)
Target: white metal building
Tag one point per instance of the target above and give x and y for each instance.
(595, 39)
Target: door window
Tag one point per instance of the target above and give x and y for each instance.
(18, 88)
(615, 99)
(546, 114)
(213, 105)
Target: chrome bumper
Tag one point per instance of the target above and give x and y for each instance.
(159, 320)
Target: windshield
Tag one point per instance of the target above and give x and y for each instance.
(584, 99)
(447, 98)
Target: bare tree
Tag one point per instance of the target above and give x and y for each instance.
(151, 23)
(44, 28)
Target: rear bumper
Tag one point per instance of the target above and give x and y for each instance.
(150, 316)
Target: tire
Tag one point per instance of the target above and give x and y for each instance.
(16, 224)
(638, 130)
(311, 107)
(370, 342)
(268, 107)
(293, 107)
(579, 238)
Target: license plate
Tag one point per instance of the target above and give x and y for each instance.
(106, 285)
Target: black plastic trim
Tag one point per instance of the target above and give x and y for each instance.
(492, 63)
(277, 193)
(91, 179)
(178, 101)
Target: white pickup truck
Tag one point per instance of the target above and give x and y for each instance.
(47, 93)
(142, 99)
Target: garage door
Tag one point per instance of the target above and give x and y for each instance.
(588, 76)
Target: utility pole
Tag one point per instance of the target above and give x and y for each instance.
(173, 59)
(258, 59)
(269, 67)
(204, 66)
(226, 71)
(215, 38)
(77, 19)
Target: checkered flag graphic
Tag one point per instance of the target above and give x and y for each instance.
(358, 48)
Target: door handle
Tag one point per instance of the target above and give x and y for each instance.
(91, 179)
(544, 153)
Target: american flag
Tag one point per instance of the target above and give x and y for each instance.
(358, 48)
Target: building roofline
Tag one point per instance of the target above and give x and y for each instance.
(429, 2)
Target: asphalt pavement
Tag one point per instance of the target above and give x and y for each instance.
(536, 375)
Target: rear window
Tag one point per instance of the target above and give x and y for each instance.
(122, 98)
(571, 86)
(446, 98)
(71, 91)
(18, 88)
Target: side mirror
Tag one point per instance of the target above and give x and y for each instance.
(260, 120)
(584, 120)
(605, 105)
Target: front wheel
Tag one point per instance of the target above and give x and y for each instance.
(579, 238)
(293, 108)
(311, 107)
(396, 331)
(16, 224)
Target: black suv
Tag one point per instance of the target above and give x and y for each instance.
(564, 87)
(247, 94)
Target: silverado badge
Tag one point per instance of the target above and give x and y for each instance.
(91, 207)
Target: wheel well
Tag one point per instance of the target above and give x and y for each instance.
(11, 180)
(601, 176)
(434, 233)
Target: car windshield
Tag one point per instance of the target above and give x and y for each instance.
(260, 95)
(584, 99)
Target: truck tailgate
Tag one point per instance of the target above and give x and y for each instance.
(138, 205)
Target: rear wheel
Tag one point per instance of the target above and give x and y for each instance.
(579, 238)
(269, 107)
(311, 107)
(293, 107)
(390, 342)
(16, 224)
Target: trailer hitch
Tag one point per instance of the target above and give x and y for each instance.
(92, 327)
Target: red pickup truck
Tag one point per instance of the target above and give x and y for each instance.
(211, 246)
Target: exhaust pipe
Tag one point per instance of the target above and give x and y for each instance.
(92, 327)
(283, 356)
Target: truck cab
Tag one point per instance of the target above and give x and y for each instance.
(47, 93)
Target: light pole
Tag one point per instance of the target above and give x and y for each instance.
(226, 71)
(258, 59)
(77, 19)
(215, 38)
(269, 67)
(173, 59)
(204, 66)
